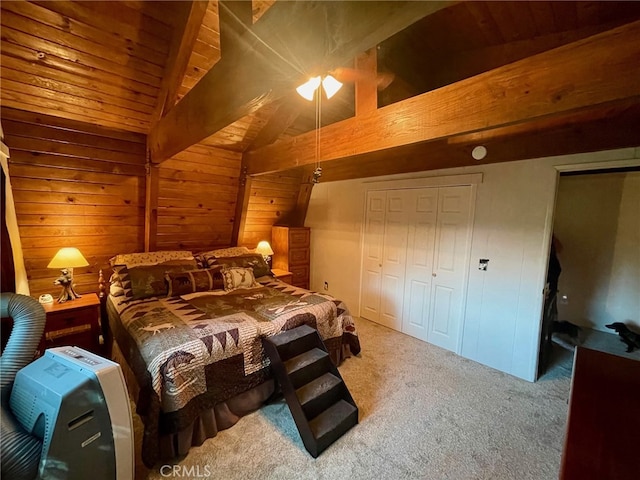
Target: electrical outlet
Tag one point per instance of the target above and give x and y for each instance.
(326, 285)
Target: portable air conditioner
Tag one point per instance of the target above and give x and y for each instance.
(77, 404)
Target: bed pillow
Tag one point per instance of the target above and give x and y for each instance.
(115, 285)
(238, 277)
(251, 260)
(150, 258)
(199, 280)
(207, 259)
(148, 280)
(144, 281)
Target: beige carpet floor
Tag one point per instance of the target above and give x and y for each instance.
(425, 413)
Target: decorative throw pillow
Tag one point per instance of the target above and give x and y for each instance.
(207, 259)
(143, 281)
(252, 260)
(182, 283)
(238, 277)
(120, 278)
(148, 280)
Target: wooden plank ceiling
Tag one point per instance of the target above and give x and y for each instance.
(103, 64)
(86, 61)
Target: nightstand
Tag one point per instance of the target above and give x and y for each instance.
(283, 275)
(292, 252)
(74, 322)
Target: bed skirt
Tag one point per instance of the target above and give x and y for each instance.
(222, 416)
(208, 422)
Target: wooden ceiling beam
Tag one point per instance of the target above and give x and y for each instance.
(235, 18)
(295, 216)
(242, 204)
(599, 70)
(366, 88)
(290, 41)
(605, 129)
(184, 39)
(287, 113)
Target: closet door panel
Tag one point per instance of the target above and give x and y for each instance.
(416, 311)
(372, 256)
(394, 259)
(451, 259)
(391, 301)
(443, 322)
(371, 296)
(420, 245)
(445, 255)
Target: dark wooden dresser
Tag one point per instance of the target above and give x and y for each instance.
(291, 252)
(604, 418)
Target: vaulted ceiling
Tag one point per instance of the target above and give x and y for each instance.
(132, 65)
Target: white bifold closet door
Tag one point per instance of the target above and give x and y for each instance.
(415, 259)
(384, 258)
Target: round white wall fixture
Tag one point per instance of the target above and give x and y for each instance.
(479, 152)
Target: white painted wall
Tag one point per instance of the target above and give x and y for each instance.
(598, 223)
(623, 301)
(512, 228)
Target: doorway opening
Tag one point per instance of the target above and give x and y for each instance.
(597, 224)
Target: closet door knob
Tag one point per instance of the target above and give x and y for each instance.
(434, 274)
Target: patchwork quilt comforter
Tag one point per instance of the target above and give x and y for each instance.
(194, 351)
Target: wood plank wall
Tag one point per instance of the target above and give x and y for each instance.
(78, 185)
(197, 196)
(93, 62)
(272, 200)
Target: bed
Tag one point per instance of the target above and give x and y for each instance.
(188, 332)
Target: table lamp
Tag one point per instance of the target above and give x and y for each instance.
(265, 250)
(66, 259)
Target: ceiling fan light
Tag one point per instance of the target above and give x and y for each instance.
(331, 86)
(307, 89)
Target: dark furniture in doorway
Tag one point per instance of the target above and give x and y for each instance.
(604, 418)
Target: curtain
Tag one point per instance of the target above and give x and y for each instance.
(8, 277)
(13, 274)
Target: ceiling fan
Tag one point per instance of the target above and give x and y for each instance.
(352, 75)
(332, 82)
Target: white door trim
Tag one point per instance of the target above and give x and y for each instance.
(421, 182)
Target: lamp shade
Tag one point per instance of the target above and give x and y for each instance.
(264, 248)
(308, 89)
(331, 86)
(68, 257)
